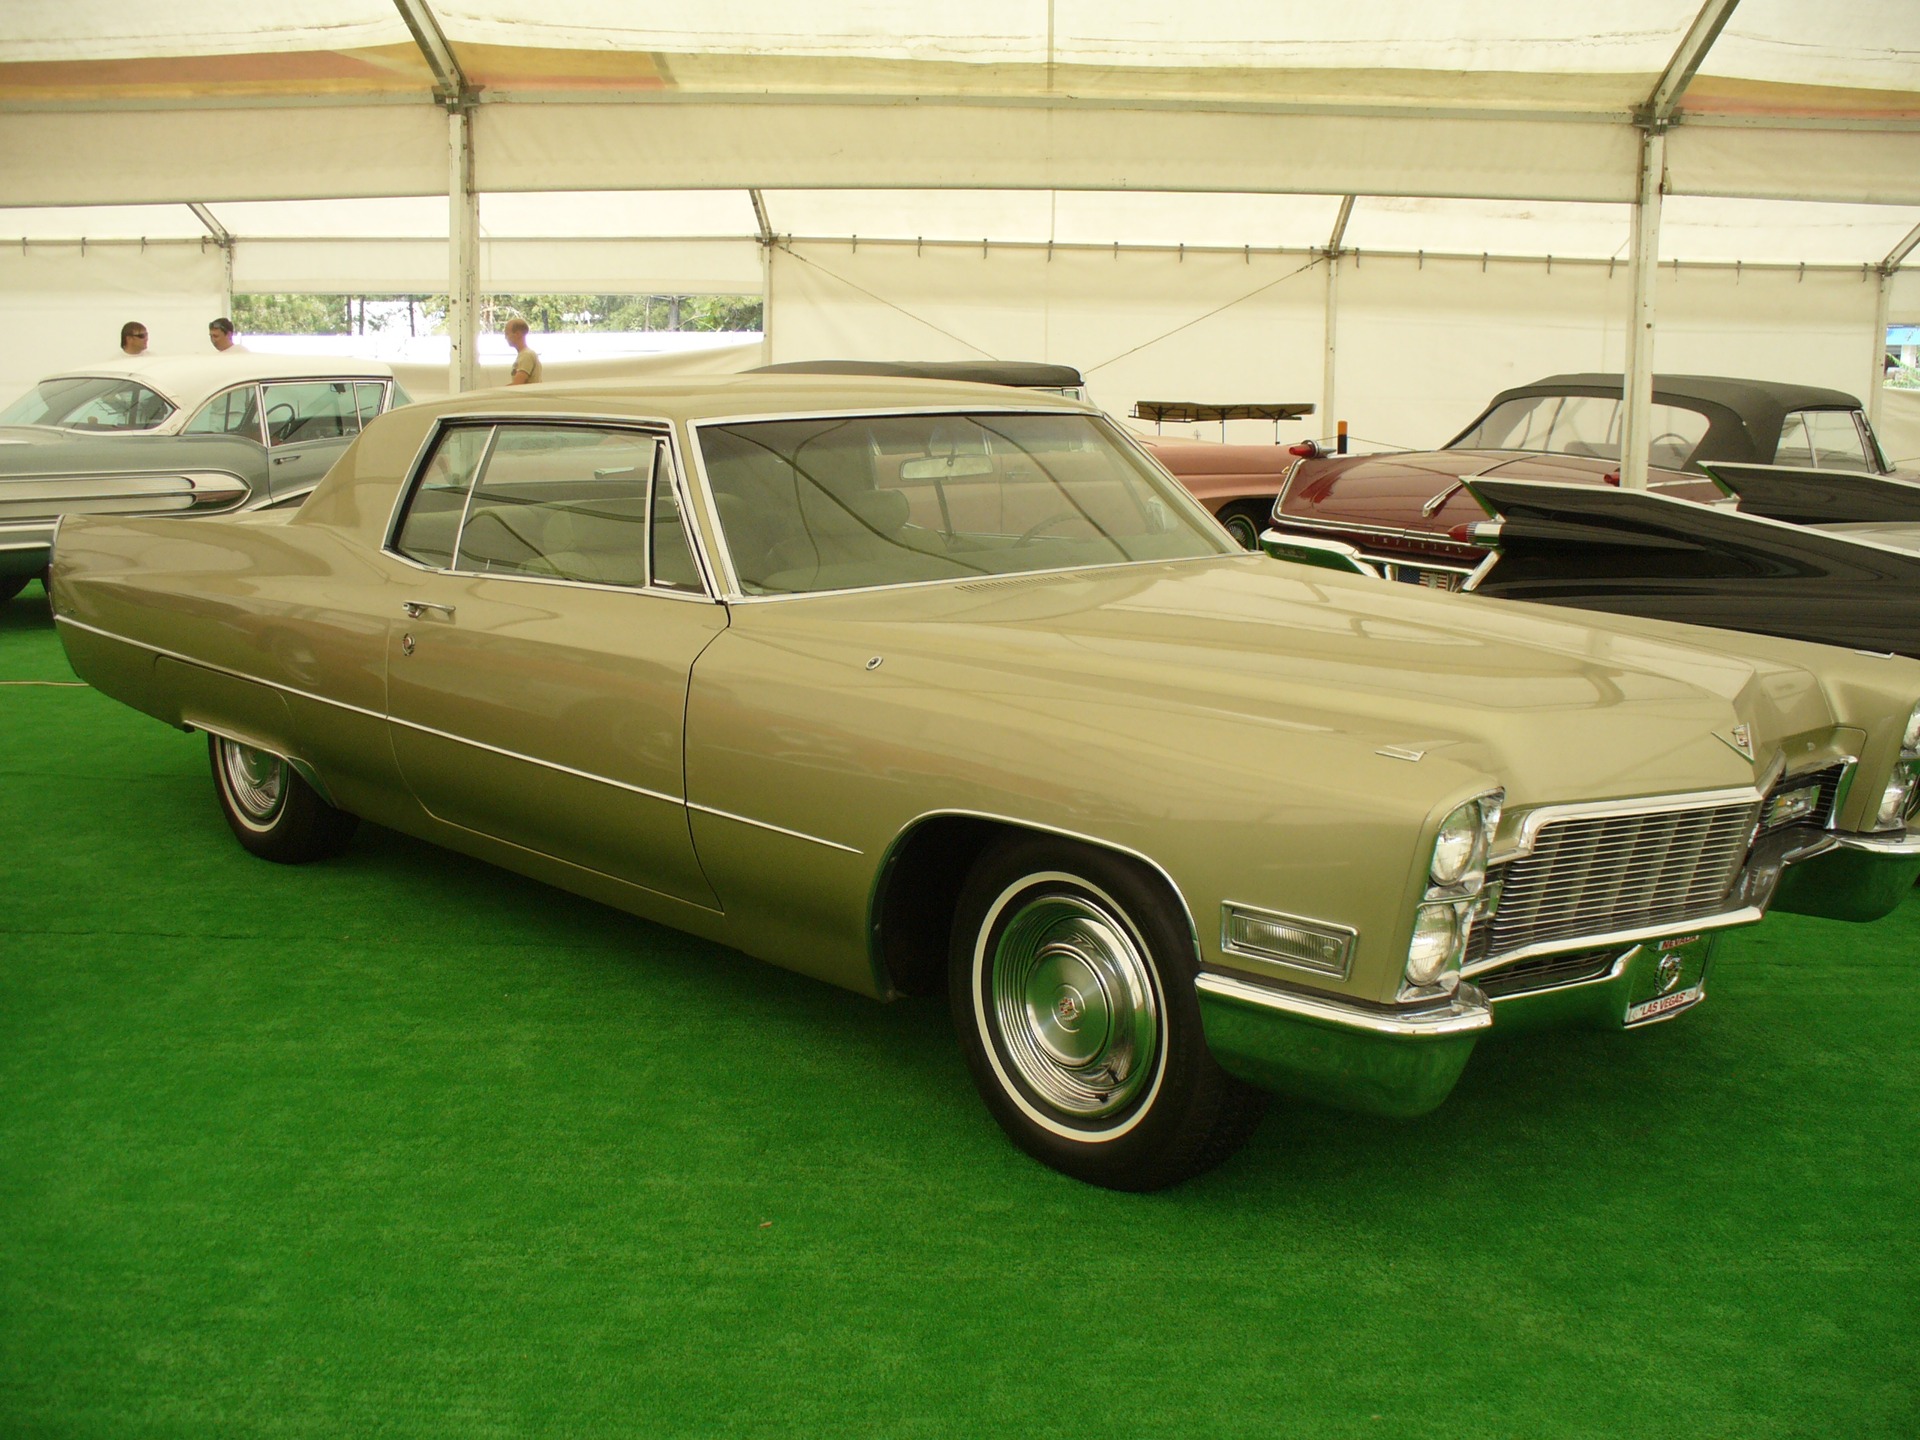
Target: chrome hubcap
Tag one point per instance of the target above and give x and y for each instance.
(256, 780)
(1073, 1002)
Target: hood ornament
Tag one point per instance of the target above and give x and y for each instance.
(1740, 738)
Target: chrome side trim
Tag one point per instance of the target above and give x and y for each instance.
(768, 825)
(1429, 537)
(217, 669)
(1467, 1015)
(444, 735)
(1039, 827)
(1532, 821)
(553, 765)
(1726, 920)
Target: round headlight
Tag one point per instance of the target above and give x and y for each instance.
(1435, 937)
(1910, 741)
(1453, 851)
(1893, 802)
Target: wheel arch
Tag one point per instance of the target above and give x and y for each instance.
(917, 891)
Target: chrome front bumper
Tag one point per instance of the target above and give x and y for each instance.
(1404, 1061)
(1856, 877)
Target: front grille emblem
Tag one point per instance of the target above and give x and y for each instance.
(1669, 973)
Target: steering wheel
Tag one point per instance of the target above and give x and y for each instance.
(1032, 532)
(277, 428)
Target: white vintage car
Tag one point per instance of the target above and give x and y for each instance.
(174, 435)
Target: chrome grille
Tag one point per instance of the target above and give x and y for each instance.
(1601, 874)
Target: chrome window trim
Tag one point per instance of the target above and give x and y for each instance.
(1600, 940)
(733, 594)
(259, 419)
(659, 427)
(262, 383)
(1532, 821)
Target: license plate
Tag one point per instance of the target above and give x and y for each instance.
(1664, 1005)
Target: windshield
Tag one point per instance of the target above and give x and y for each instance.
(89, 403)
(1586, 425)
(853, 502)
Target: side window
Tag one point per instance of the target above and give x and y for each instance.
(673, 566)
(231, 412)
(1828, 439)
(123, 407)
(568, 502)
(368, 398)
(310, 410)
(1674, 434)
(432, 522)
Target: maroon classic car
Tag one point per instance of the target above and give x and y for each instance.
(1406, 514)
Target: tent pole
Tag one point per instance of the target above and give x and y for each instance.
(463, 233)
(1882, 313)
(764, 228)
(1330, 326)
(1637, 401)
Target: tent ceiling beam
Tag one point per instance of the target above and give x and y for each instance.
(760, 221)
(1339, 234)
(1687, 59)
(450, 81)
(221, 235)
(1897, 256)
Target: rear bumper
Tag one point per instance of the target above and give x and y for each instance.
(26, 548)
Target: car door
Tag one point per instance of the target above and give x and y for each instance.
(308, 424)
(541, 645)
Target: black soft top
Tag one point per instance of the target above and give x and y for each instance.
(1743, 416)
(1025, 374)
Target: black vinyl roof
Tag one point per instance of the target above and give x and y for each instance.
(1030, 374)
(1744, 416)
(1743, 395)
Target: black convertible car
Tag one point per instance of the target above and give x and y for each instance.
(1638, 553)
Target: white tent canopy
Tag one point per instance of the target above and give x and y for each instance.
(1159, 194)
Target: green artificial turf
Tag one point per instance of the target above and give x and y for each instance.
(402, 1145)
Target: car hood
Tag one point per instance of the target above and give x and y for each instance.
(1395, 490)
(1555, 707)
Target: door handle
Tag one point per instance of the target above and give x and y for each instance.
(416, 608)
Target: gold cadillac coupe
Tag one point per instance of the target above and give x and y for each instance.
(904, 683)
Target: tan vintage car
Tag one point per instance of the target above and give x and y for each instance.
(906, 684)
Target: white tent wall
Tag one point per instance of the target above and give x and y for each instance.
(63, 304)
(1421, 344)
(1139, 324)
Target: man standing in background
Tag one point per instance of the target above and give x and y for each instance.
(133, 338)
(526, 364)
(220, 332)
